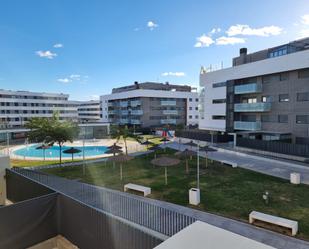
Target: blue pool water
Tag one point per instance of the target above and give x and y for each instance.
(31, 151)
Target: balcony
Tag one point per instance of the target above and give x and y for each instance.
(124, 112)
(124, 103)
(168, 102)
(137, 112)
(247, 126)
(111, 112)
(168, 121)
(252, 107)
(135, 103)
(110, 104)
(170, 112)
(248, 88)
(135, 121)
(123, 121)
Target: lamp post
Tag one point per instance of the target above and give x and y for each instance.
(198, 166)
(84, 135)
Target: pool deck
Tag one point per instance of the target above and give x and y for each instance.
(133, 146)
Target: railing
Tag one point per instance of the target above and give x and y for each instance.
(124, 104)
(247, 126)
(123, 121)
(248, 88)
(111, 112)
(170, 112)
(135, 102)
(124, 112)
(168, 121)
(156, 215)
(168, 102)
(135, 121)
(252, 107)
(137, 112)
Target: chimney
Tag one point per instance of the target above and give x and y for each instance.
(243, 51)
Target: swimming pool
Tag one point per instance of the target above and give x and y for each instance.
(53, 152)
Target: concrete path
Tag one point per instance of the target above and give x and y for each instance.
(256, 163)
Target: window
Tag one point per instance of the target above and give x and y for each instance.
(284, 98)
(302, 119)
(267, 99)
(190, 116)
(283, 118)
(278, 52)
(284, 76)
(190, 108)
(190, 99)
(196, 116)
(218, 101)
(220, 84)
(196, 108)
(251, 100)
(196, 100)
(303, 73)
(268, 118)
(303, 96)
(218, 117)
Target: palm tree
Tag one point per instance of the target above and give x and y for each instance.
(122, 132)
(51, 131)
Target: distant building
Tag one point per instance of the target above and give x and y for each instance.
(264, 95)
(151, 104)
(89, 111)
(17, 107)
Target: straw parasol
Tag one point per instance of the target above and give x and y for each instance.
(122, 158)
(72, 151)
(43, 147)
(186, 153)
(113, 150)
(147, 143)
(114, 146)
(164, 140)
(207, 149)
(165, 162)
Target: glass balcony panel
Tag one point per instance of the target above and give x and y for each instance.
(248, 88)
(168, 102)
(135, 121)
(137, 112)
(124, 103)
(135, 103)
(124, 112)
(252, 107)
(170, 112)
(247, 126)
(168, 121)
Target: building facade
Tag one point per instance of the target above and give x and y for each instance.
(151, 104)
(17, 107)
(264, 95)
(89, 111)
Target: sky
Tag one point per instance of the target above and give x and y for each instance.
(85, 48)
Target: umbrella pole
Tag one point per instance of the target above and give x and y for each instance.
(165, 175)
(187, 167)
(72, 157)
(121, 171)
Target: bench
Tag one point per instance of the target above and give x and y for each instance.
(234, 165)
(291, 224)
(140, 188)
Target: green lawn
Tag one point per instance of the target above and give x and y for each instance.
(231, 192)
(35, 163)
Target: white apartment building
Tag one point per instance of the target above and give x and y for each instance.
(17, 107)
(89, 111)
(151, 104)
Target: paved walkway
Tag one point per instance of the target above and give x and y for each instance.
(256, 163)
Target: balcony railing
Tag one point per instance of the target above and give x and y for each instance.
(123, 121)
(252, 107)
(135, 121)
(124, 112)
(168, 121)
(135, 103)
(247, 126)
(168, 102)
(137, 112)
(170, 112)
(248, 88)
(124, 104)
(112, 112)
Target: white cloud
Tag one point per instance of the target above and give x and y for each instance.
(46, 54)
(176, 74)
(305, 19)
(223, 40)
(243, 29)
(151, 25)
(64, 80)
(203, 41)
(215, 30)
(75, 76)
(58, 45)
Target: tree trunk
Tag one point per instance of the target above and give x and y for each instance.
(125, 145)
(187, 166)
(60, 150)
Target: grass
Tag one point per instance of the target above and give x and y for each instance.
(227, 191)
(35, 163)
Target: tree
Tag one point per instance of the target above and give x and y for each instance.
(52, 131)
(122, 132)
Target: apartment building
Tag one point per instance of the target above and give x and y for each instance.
(151, 104)
(89, 111)
(17, 107)
(264, 95)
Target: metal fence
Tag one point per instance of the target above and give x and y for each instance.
(152, 214)
(274, 146)
(204, 136)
